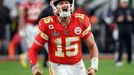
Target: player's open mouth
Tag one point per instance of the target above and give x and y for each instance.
(64, 9)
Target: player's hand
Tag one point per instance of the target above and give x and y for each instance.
(90, 71)
(120, 18)
(36, 70)
(129, 18)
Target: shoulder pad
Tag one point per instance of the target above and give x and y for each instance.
(48, 20)
(82, 18)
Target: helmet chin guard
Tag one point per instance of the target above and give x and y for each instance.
(59, 11)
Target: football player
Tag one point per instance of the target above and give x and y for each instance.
(29, 12)
(64, 32)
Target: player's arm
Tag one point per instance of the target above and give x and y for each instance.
(21, 17)
(33, 54)
(90, 42)
(93, 54)
(39, 42)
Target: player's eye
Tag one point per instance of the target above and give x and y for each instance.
(63, 2)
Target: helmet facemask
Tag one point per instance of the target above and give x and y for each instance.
(63, 10)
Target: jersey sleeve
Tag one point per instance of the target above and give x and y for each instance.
(41, 39)
(86, 27)
(42, 29)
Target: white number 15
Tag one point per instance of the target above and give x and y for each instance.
(70, 48)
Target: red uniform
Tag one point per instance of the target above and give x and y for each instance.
(31, 11)
(64, 43)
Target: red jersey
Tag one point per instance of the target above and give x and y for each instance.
(64, 43)
(31, 11)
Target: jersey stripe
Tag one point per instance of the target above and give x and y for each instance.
(50, 69)
(43, 35)
(86, 31)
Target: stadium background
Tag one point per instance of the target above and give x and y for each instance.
(107, 50)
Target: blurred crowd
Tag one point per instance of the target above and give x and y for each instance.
(112, 24)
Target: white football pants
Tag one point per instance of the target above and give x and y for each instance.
(65, 69)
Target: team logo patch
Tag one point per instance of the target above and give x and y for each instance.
(77, 30)
(51, 26)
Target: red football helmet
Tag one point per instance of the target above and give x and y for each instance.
(62, 12)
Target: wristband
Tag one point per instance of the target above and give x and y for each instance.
(32, 66)
(94, 63)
